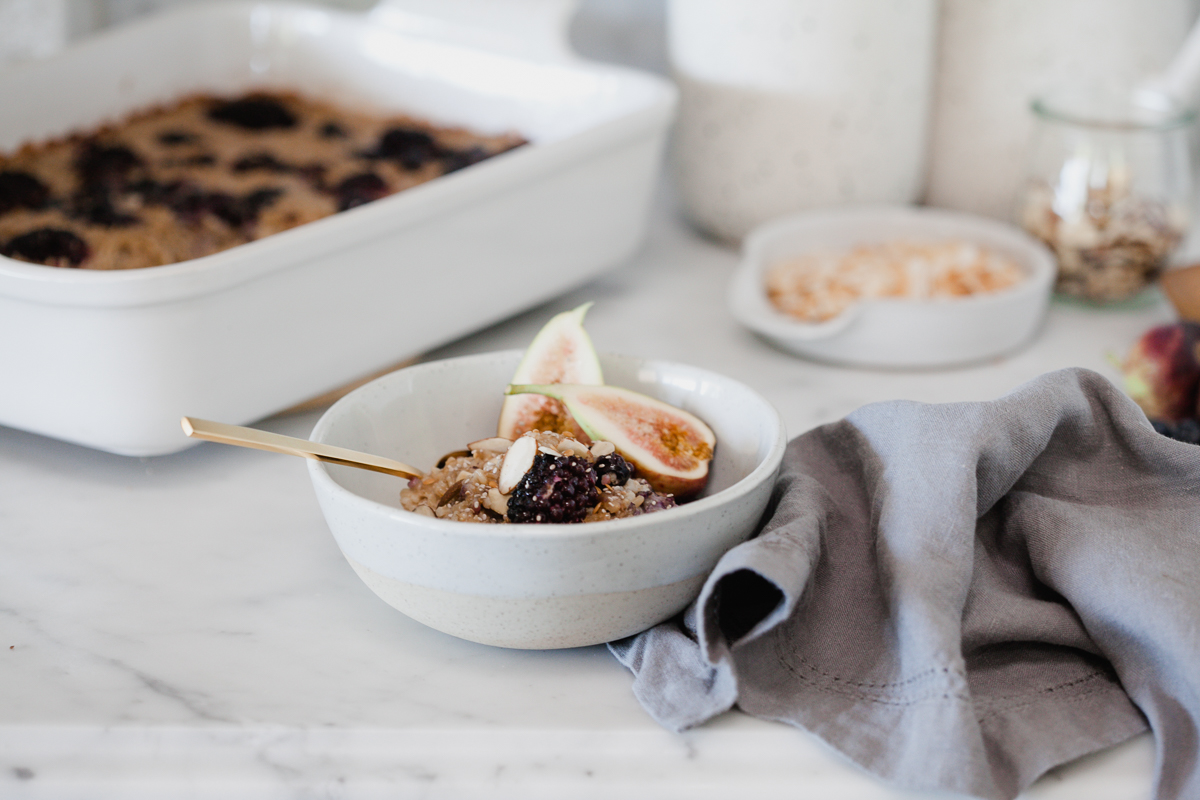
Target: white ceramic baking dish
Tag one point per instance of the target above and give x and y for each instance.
(111, 360)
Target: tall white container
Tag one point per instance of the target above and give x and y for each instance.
(797, 104)
(31, 29)
(995, 56)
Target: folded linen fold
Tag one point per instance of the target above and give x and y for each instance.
(961, 596)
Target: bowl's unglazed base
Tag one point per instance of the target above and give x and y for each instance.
(534, 623)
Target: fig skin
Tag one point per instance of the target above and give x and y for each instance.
(671, 448)
(1162, 371)
(562, 352)
(682, 489)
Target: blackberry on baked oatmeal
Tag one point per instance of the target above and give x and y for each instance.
(208, 173)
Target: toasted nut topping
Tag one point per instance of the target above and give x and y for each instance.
(603, 449)
(517, 461)
(496, 502)
(451, 494)
(494, 444)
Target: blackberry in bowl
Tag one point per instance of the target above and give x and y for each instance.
(538, 585)
(557, 489)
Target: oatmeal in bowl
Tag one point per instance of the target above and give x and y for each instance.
(569, 448)
(542, 477)
(526, 584)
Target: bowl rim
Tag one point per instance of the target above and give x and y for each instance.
(750, 305)
(766, 468)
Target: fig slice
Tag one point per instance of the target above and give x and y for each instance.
(561, 352)
(670, 447)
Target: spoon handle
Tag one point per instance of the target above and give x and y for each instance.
(289, 445)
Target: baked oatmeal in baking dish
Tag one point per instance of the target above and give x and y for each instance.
(208, 173)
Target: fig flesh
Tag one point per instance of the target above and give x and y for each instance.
(1162, 371)
(670, 448)
(562, 352)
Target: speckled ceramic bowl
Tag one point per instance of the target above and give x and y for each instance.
(536, 586)
(893, 332)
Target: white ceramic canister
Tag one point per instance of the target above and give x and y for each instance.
(789, 105)
(996, 56)
(31, 29)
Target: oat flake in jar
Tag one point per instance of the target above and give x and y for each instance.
(790, 105)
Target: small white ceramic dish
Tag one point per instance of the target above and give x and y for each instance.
(895, 332)
(113, 359)
(536, 586)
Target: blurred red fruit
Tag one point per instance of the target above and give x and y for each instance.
(1162, 371)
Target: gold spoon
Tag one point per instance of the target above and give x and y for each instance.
(289, 445)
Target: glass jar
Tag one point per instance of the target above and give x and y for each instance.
(1109, 190)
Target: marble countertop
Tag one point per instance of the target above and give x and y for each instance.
(185, 626)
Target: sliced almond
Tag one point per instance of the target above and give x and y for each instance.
(496, 502)
(550, 451)
(571, 444)
(517, 461)
(603, 449)
(493, 444)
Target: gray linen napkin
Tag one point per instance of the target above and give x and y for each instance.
(960, 596)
